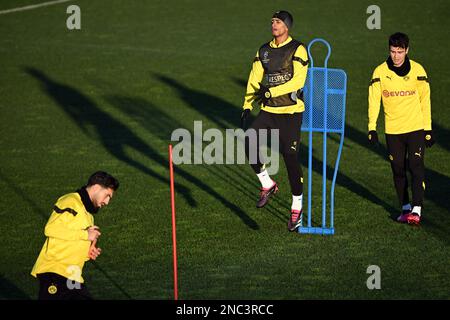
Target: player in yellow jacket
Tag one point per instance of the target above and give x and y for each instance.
(276, 81)
(403, 87)
(71, 239)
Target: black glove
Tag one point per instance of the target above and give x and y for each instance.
(429, 139)
(300, 95)
(244, 116)
(373, 138)
(263, 94)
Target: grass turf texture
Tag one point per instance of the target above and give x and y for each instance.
(108, 97)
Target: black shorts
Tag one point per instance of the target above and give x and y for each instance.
(53, 286)
(289, 126)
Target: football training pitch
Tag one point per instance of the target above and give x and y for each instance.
(108, 97)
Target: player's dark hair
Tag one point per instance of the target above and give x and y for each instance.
(399, 40)
(104, 179)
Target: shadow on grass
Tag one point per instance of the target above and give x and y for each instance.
(224, 114)
(10, 291)
(240, 82)
(442, 136)
(116, 137)
(24, 196)
(111, 279)
(160, 124)
(343, 180)
(97, 124)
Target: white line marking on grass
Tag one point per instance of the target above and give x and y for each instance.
(34, 6)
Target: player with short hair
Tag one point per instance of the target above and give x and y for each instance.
(403, 87)
(276, 80)
(71, 239)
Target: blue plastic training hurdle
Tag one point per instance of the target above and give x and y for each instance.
(324, 95)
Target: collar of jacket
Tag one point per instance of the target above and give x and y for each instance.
(87, 200)
(274, 45)
(401, 71)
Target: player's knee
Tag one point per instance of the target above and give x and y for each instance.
(398, 166)
(290, 158)
(416, 165)
(290, 151)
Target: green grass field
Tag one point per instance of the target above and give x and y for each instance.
(108, 97)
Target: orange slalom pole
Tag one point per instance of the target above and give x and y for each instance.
(174, 230)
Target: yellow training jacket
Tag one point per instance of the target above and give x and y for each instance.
(66, 248)
(406, 100)
(297, 82)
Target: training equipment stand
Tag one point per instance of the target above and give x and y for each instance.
(324, 95)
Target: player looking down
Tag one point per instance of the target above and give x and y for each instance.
(403, 87)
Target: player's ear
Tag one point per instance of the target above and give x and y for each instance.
(407, 50)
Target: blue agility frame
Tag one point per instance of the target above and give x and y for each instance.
(317, 93)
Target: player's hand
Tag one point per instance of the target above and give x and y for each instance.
(244, 117)
(429, 138)
(94, 252)
(93, 233)
(373, 138)
(263, 94)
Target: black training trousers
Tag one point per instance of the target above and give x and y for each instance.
(407, 151)
(289, 141)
